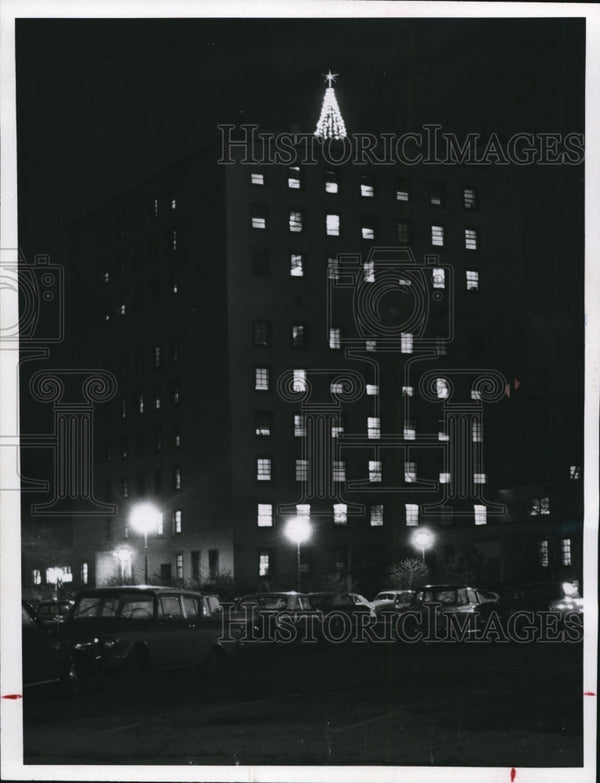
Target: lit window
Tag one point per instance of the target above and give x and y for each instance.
(298, 335)
(472, 280)
(338, 428)
(332, 225)
(480, 515)
(476, 429)
(294, 181)
(296, 265)
(408, 391)
(412, 514)
(106, 277)
(370, 345)
(173, 239)
(262, 333)
(565, 547)
(410, 472)
(376, 516)
(123, 309)
(264, 563)
(124, 448)
(374, 470)
(331, 182)
(157, 355)
(436, 195)
(156, 398)
(173, 203)
(543, 553)
(140, 403)
(303, 510)
(335, 338)
(470, 198)
(176, 435)
(441, 388)
(256, 178)
(402, 190)
(443, 436)
(261, 378)
(574, 472)
(470, 239)
(84, 573)
(403, 232)
(123, 409)
(373, 427)
(265, 515)
(336, 388)
(259, 218)
(173, 285)
(369, 272)
(539, 507)
(479, 478)
(368, 228)
(177, 478)
(263, 469)
(36, 576)
(177, 516)
(367, 189)
(263, 423)
(475, 394)
(406, 342)
(409, 431)
(301, 470)
(438, 277)
(333, 269)
(155, 207)
(299, 383)
(299, 426)
(295, 221)
(124, 487)
(176, 392)
(437, 236)
(372, 389)
(106, 311)
(339, 470)
(179, 566)
(340, 513)
(444, 478)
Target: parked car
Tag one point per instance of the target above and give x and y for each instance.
(262, 615)
(389, 600)
(136, 631)
(53, 610)
(47, 660)
(437, 603)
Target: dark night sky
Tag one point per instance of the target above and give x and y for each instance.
(103, 105)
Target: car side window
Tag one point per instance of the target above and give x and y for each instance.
(169, 607)
(138, 609)
(461, 597)
(109, 608)
(190, 607)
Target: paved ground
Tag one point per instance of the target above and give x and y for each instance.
(464, 705)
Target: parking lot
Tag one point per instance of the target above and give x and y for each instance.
(377, 704)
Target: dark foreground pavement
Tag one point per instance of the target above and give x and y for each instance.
(447, 705)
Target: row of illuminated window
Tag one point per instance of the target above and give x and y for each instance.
(262, 337)
(368, 188)
(261, 266)
(544, 552)
(263, 425)
(126, 448)
(368, 228)
(142, 483)
(123, 222)
(264, 471)
(143, 359)
(143, 403)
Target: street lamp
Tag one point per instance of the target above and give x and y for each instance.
(145, 518)
(298, 530)
(422, 539)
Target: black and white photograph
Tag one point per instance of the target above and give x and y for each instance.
(299, 380)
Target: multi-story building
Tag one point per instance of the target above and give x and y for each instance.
(344, 343)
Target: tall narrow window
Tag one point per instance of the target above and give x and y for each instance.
(294, 178)
(263, 469)
(179, 566)
(258, 218)
(402, 190)
(368, 227)
(261, 378)
(333, 268)
(470, 239)
(437, 194)
(332, 225)
(470, 199)
(410, 472)
(331, 182)
(367, 186)
(477, 437)
(406, 342)
(213, 563)
(262, 333)
(335, 339)
(410, 432)
(177, 478)
(403, 232)
(124, 487)
(437, 236)
(369, 271)
(438, 278)
(264, 564)
(374, 470)
(565, 547)
(140, 403)
(301, 470)
(376, 516)
(84, 573)
(157, 355)
(156, 395)
(299, 426)
(441, 388)
(543, 553)
(339, 470)
(298, 335)
(480, 514)
(177, 520)
(264, 517)
(340, 514)
(412, 514)
(299, 383)
(373, 427)
(263, 423)
(337, 429)
(296, 265)
(296, 221)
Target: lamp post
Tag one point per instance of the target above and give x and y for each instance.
(145, 518)
(422, 539)
(298, 530)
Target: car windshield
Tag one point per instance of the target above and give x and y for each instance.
(385, 597)
(265, 601)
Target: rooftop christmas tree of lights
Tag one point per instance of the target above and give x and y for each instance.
(331, 124)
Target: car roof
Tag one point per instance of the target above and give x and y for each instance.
(158, 589)
(272, 593)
